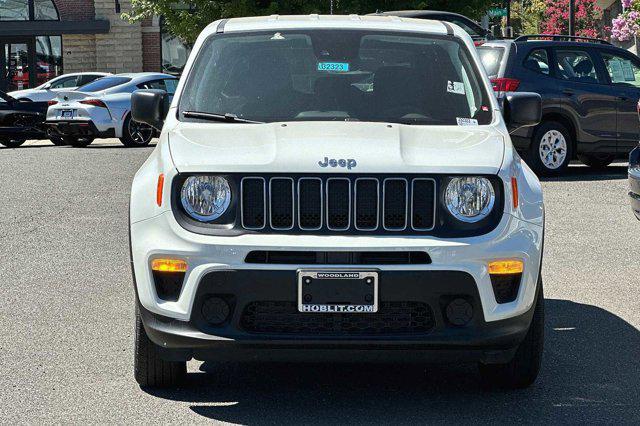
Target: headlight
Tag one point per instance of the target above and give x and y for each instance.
(470, 199)
(205, 198)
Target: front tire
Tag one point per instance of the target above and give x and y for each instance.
(596, 161)
(523, 369)
(77, 142)
(551, 149)
(135, 134)
(150, 370)
(12, 143)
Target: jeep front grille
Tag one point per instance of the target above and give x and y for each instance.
(338, 204)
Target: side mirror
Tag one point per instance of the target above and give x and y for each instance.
(150, 106)
(47, 86)
(522, 109)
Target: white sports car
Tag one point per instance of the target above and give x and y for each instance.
(102, 109)
(49, 90)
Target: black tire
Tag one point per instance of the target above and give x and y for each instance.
(550, 132)
(136, 134)
(523, 369)
(12, 143)
(77, 142)
(57, 141)
(596, 161)
(150, 370)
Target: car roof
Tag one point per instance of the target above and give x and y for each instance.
(137, 76)
(355, 22)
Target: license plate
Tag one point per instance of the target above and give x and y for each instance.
(67, 113)
(343, 291)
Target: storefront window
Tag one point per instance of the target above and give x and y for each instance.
(14, 10)
(48, 58)
(45, 10)
(174, 53)
(18, 10)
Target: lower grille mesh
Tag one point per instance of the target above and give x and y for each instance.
(282, 317)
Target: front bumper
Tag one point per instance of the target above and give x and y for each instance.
(77, 128)
(217, 266)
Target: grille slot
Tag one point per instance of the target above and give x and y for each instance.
(281, 203)
(253, 202)
(393, 318)
(367, 204)
(310, 203)
(423, 206)
(395, 204)
(338, 204)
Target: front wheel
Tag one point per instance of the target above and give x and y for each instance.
(12, 143)
(551, 149)
(77, 142)
(596, 161)
(135, 134)
(149, 368)
(523, 369)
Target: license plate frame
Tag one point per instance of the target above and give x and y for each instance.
(338, 291)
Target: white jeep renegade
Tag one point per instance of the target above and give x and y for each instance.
(336, 188)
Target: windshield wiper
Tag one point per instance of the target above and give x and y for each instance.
(228, 117)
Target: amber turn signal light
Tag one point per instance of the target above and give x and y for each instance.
(504, 267)
(159, 189)
(169, 265)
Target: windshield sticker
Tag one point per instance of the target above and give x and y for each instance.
(466, 121)
(333, 66)
(455, 87)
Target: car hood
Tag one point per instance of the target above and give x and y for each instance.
(303, 147)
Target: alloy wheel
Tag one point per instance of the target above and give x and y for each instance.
(140, 133)
(553, 149)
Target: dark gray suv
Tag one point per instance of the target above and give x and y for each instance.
(590, 91)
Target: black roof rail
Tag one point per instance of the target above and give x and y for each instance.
(560, 38)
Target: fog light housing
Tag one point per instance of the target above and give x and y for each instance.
(215, 310)
(168, 277)
(506, 276)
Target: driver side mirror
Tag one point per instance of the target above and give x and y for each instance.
(522, 109)
(150, 106)
(47, 86)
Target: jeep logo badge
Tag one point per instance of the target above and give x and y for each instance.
(349, 163)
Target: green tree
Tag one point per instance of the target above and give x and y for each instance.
(185, 19)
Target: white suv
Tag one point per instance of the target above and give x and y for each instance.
(339, 188)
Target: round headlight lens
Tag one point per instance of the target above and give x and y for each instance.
(470, 199)
(205, 198)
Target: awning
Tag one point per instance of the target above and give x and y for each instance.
(39, 28)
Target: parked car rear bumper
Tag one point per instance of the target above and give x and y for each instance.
(78, 129)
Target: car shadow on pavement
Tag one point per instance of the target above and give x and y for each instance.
(576, 173)
(590, 374)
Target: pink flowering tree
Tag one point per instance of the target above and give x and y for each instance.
(627, 25)
(588, 15)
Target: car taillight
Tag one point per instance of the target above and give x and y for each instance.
(94, 102)
(478, 43)
(505, 84)
(52, 103)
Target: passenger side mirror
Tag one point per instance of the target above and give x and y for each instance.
(522, 109)
(150, 106)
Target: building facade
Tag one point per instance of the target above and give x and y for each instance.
(54, 37)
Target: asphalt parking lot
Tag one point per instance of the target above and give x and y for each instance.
(66, 309)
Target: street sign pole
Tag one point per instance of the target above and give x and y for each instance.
(572, 17)
(508, 7)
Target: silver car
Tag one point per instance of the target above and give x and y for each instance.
(49, 90)
(102, 109)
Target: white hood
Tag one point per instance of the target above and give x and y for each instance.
(298, 147)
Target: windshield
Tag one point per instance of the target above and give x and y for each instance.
(336, 75)
(491, 58)
(104, 84)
